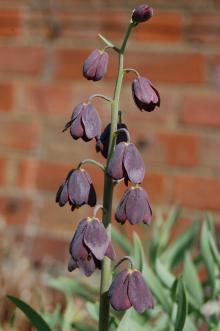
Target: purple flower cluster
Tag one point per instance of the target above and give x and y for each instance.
(91, 242)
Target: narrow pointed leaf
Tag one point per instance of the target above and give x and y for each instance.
(164, 274)
(124, 324)
(106, 41)
(167, 226)
(121, 240)
(37, 321)
(192, 280)
(175, 253)
(208, 257)
(182, 308)
(138, 254)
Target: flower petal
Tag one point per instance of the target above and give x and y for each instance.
(139, 293)
(78, 187)
(120, 214)
(147, 213)
(77, 249)
(96, 238)
(134, 164)
(136, 205)
(62, 195)
(72, 265)
(91, 122)
(87, 265)
(115, 166)
(110, 252)
(118, 292)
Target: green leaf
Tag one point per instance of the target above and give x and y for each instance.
(175, 253)
(167, 226)
(207, 256)
(214, 248)
(138, 252)
(121, 240)
(37, 321)
(157, 289)
(125, 322)
(93, 310)
(71, 286)
(189, 325)
(80, 326)
(182, 307)
(106, 41)
(192, 280)
(164, 274)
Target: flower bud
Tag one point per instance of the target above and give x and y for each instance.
(77, 190)
(95, 66)
(145, 96)
(142, 13)
(103, 142)
(89, 245)
(134, 207)
(129, 289)
(85, 122)
(126, 162)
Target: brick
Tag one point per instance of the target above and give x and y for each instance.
(215, 70)
(51, 215)
(196, 192)
(44, 247)
(16, 211)
(201, 109)
(26, 173)
(19, 135)
(180, 149)
(51, 175)
(21, 60)
(174, 68)
(10, 22)
(50, 100)
(6, 96)
(161, 67)
(209, 152)
(69, 63)
(204, 27)
(155, 185)
(3, 167)
(165, 27)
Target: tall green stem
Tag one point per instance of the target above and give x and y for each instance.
(106, 274)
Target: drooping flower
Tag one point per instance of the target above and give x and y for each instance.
(95, 66)
(145, 95)
(85, 122)
(142, 13)
(126, 162)
(89, 245)
(77, 190)
(134, 207)
(129, 289)
(103, 142)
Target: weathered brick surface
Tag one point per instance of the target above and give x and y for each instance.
(41, 58)
(6, 96)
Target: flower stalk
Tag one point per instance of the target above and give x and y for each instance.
(106, 273)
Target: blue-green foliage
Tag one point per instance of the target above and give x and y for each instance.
(171, 268)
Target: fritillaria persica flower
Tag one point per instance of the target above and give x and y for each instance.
(145, 96)
(134, 207)
(103, 142)
(85, 122)
(142, 13)
(77, 190)
(126, 162)
(95, 66)
(129, 289)
(89, 245)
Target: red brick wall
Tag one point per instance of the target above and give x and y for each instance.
(42, 49)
